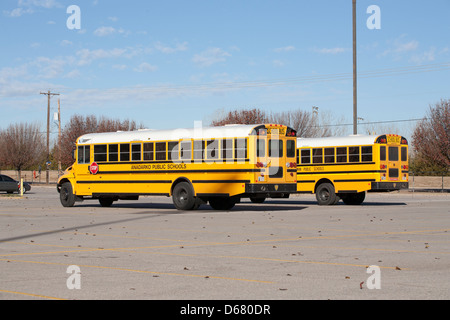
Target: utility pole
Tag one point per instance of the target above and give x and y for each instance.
(49, 94)
(59, 137)
(355, 100)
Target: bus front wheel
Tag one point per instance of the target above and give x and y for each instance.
(66, 195)
(183, 196)
(326, 195)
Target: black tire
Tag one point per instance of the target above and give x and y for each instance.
(222, 203)
(106, 202)
(66, 195)
(354, 199)
(326, 195)
(257, 199)
(183, 197)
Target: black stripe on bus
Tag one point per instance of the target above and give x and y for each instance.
(182, 171)
(124, 181)
(220, 181)
(342, 172)
(333, 164)
(195, 161)
(356, 180)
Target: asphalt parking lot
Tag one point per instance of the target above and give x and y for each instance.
(394, 246)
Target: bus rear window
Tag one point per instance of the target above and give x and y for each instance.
(393, 153)
(290, 148)
(404, 154)
(383, 153)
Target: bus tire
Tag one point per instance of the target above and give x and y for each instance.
(222, 203)
(183, 196)
(325, 194)
(66, 195)
(106, 202)
(354, 199)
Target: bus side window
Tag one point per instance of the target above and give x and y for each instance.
(382, 153)
(100, 153)
(173, 150)
(113, 152)
(366, 154)
(290, 148)
(306, 156)
(136, 152)
(318, 155)
(84, 154)
(199, 148)
(329, 155)
(341, 154)
(186, 150)
(148, 151)
(353, 154)
(404, 154)
(227, 149)
(240, 148)
(160, 153)
(212, 149)
(124, 152)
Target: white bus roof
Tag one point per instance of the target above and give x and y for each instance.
(351, 140)
(143, 135)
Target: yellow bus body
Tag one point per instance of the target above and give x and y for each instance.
(346, 168)
(217, 164)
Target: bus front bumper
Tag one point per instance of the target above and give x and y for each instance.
(389, 186)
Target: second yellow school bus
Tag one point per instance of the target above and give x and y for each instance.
(336, 168)
(219, 165)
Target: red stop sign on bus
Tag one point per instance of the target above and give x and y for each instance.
(93, 168)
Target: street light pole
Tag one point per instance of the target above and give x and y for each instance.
(355, 103)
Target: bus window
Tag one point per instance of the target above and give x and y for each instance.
(136, 152)
(290, 148)
(160, 151)
(366, 154)
(212, 149)
(393, 153)
(240, 149)
(275, 148)
(341, 154)
(125, 152)
(318, 155)
(148, 151)
(113, 152)
(186, 150)
(306, 156)
(173, 150)
(353, 154)
(404, 154)
(100, 153)
(84, 154)
(329, 155)
(199, 148)
(227, 149)
(260, 148)
(383, 153)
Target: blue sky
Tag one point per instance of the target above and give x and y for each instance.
(166, 64)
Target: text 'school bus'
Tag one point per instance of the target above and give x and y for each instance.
(194, 166)
(345, 168)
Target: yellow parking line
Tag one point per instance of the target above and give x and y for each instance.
(32, 295)
(144, 271)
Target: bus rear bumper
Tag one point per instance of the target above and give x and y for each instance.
(258, 188)
(388, 186)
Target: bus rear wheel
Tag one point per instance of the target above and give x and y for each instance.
(183, 197)
(354, 199)
(326, 195)
(66, 195)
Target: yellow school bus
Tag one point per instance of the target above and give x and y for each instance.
(219, 165)
(346, 168)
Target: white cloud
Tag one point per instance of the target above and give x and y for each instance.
(285, 49)
(29, 6)
(335, 50)
(104, 31)
(210, 57)
(86, 56)
(146, 67)
(165, 49)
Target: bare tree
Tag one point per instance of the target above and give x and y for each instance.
(253, 116)
(79, 125)
(431, 138)
(21, 146)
